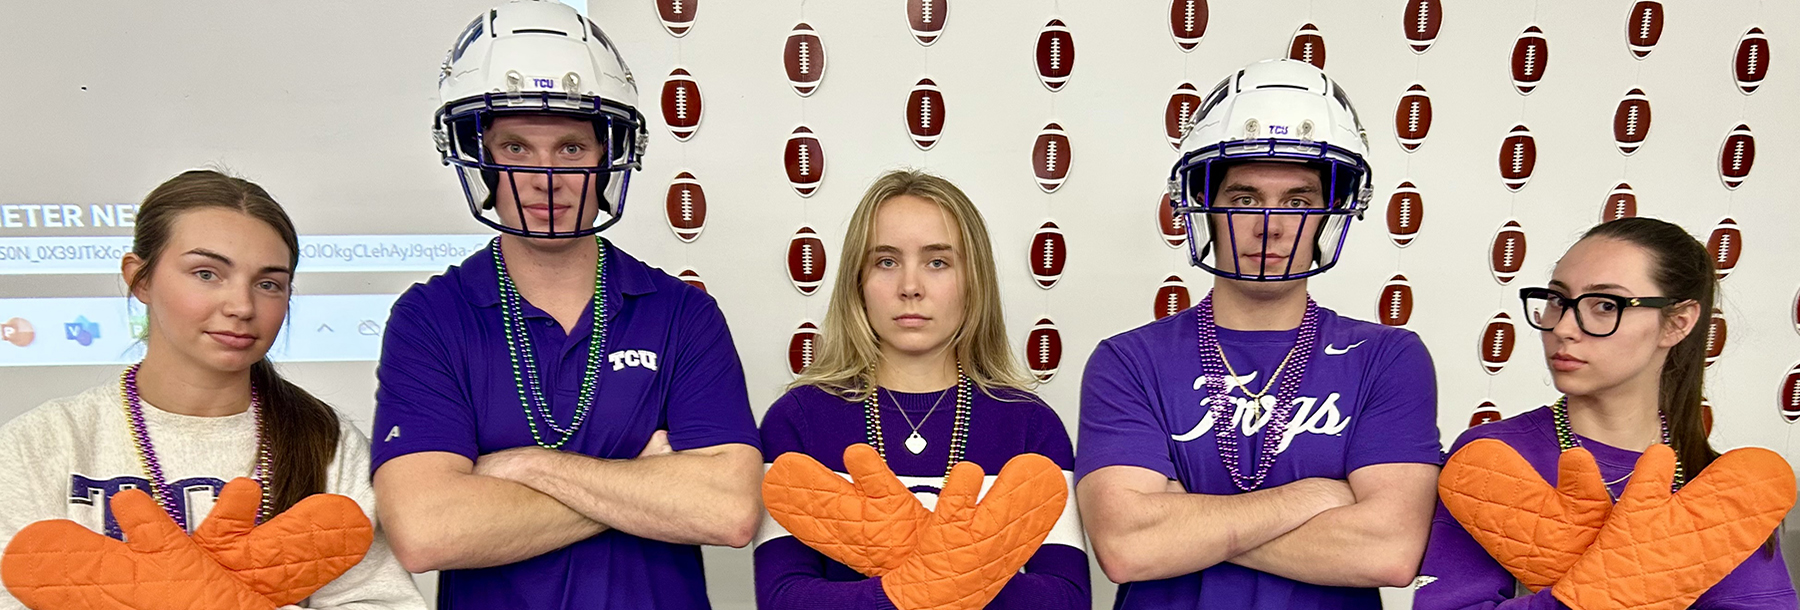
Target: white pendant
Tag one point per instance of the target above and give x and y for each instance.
(915, 443)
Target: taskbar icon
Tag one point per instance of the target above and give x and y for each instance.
(17, 331)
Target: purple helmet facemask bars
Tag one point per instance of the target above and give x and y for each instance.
(1337, 204)
(617, 158)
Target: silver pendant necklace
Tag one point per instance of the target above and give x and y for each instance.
(915, 442)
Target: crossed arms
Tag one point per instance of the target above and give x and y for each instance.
(1368, 531)
(442, 511)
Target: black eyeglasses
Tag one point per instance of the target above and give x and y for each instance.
(1596, 313)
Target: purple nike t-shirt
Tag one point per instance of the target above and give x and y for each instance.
(1369, 396)
(446, 384)
(1459, 574)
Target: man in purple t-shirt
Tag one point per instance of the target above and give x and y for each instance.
(558, 425)
(1257, 450)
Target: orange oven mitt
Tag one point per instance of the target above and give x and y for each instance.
(968, 551)
(228, 563)
(1662, 550)
(869, 523)
(1537, 532)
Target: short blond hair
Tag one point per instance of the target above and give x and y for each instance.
(848, 348)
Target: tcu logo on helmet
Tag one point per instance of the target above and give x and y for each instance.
(640, 358)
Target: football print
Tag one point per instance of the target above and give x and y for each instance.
(1171, 298)
(1396, 305)
(1507, 253)
(677, 15)
(685, 207)
(1716, 331)
(806, 261)
(1751, 61)
(1183, 104)
(1187, 22)
(1518, 158)
(1055, 55)
(1172, 226)
(926, 18)
(1631, 122)
(1620, 203)
(1048, 253)
(1486, 413)
(925, 114)
(692, 278)
(805, 160)
(1496, 343)
(1530, 56)
(1790, 394)
(1412, 119)
(804, 59)
(1736, 156)
(803, 347)
(1405, 212)
(1726, 243)
(1308, 46)
(1043, 349)
(681, 104)
(1050, 157)
(1644, 27)
(1422, 20)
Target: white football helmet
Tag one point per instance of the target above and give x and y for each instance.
(538, 57)
(1278, 110)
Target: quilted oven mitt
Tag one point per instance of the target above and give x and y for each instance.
(56, 565)
(869, 523)
(1537, 532)
(294, 554)
(1662, 550)
(968, 551)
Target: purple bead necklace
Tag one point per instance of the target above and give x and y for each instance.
(159, 485)
(1212, 366)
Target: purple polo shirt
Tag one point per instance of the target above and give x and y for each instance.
(1459, 574)
(1369, 396)
(446, 384)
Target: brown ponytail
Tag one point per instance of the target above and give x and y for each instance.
(301, 430)
(1682, 269)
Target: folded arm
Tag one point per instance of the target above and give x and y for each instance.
(1144, 527)
(1376, 541)
(706, 495)
(441, 515)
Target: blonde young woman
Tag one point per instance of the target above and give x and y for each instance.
(913, 359)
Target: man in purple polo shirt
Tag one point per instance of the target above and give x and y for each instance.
(1257, 450)
(558, 425)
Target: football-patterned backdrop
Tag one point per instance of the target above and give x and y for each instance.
(1499, 131)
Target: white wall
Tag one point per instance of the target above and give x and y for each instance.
(328, 105)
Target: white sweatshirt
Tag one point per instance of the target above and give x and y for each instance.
(66, 458)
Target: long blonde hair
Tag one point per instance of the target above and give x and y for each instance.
(848, 348)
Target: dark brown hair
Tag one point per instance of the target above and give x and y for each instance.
(1682, 269)
(301, 430)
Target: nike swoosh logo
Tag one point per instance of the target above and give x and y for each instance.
(1332, 351)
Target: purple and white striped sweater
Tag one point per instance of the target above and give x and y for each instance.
(792, 576)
